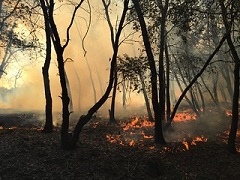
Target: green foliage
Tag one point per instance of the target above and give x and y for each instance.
(130, 69)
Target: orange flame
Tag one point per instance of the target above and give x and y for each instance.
(228, 112)
(131, 143)
(185, 116)
(198, 139)
(134, 122)
(185, 143)
(146, 136)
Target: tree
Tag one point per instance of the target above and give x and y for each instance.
(69, 140)
(155, 101)
(45, 69)
(11, 41)
(112, 108)
(132, 71)
(228, 21)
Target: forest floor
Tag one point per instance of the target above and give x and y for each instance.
(196, 149)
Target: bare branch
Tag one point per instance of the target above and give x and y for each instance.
(106, 8)
(71, 23)
(88, 28)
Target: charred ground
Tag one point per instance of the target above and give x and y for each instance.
(105, 151)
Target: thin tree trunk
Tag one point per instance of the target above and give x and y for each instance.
(168, 112)
(69, 93)
(86, 118)
(190, 102)
(187, 99)
(61, 70)
(112, 108)
(150, 117)
(162, 84)
(215, 101)
(48, 127)
(124, 94)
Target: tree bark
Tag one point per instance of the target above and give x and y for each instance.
(235, 102)
(168, 101)
(112, 108)
(159, 138)
(149, 112)
(48, 127)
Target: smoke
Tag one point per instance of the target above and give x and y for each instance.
(30, 94)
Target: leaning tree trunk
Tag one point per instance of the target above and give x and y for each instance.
(48, 127)
(72, 141)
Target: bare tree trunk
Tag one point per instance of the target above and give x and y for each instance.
(92, 82)
(223, 67)
(162, 83)
(190, 102)
(159, 138)
(168, 112)
(124, 95)
(187, 99)
(235, 101)
(86, 118)
(48, 127)
(69, 93)
(150, 117)
(112, 108)
(79, 90)
(59, 49)
(212, 95)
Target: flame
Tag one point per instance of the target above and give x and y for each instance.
(131, 143)
(146, 123)
(185, 143)
(134, 122)
(228, 112)
(111, 139)
(95, 124)
(193, 143)
(146, 136)
(186, 115)
(133, 132)
(152, 147)
(198, 139)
